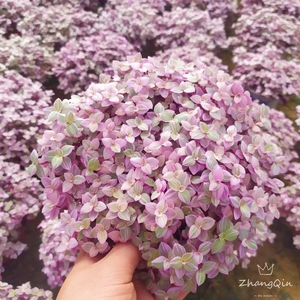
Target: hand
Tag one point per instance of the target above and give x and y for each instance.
(109, 278)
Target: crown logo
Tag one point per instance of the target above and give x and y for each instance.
(265, 270)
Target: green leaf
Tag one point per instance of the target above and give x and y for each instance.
(158, 262)
(213, 135)
(252, 244)
(224, 224)
(58, 105)
(185, 196)
(67, 149)
(200, 277)
(126, 233)
(31, 170)
(160, 232)
(176, 262)
(70, 118)
(102, 236)
(167, 115)
(50, 154)
(93, 164)
(124, 215)
(230, 234)
(194, 232)
(208, 266)
(204, 248)
(56, 161)
(158, 108)
(245, 210)
(34, 157)
(204, 127)
(217, 246)
(174, 184)
(72, 129)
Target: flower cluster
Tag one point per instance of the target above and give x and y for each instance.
(170, 156)
(195, 27)
(23, 292)
(26, 56)
(20, 197)
(290, 200)
(189, 54)
(81, 61)
(21, 115)
(289, 7)
(266, 47)
(133, 19)
(266, 72)
(55, 25)
(290, 194)
(57, 263)
(255, 29)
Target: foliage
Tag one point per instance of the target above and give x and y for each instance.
(172, 157)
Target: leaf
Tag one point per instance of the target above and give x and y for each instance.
(78, 179)
(58, 105)
(160, 232)
(200, 277)
(245, 210)
(204, 248)
(178, 250)
(167, 115)
(230, 234)
(252, 244)
(93, 164)
(217, 246)
(126, 233)
(56, 161)
(185, 196)
(194, 232)
(102, 236)
(174, 184)
(31, 170)
(213, 135)
(176, 263)
(224, 224)
(72, 129)
(158, 262)
(208, 266)
(208, 223)
(161, 221)
(124, 215)
(67, 149)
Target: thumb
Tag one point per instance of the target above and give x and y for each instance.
(121, 262)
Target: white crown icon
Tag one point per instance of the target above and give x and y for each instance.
(265, 270)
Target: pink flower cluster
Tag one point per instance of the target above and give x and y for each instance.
(173, 157)
(82, 60)
(267, 72)
(20, 197)
(21, 115)
(189, 54)
(57, 263)
(266, 47)
(290, 194)
(23, 292)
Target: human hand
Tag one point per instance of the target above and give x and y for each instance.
(109, 278)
